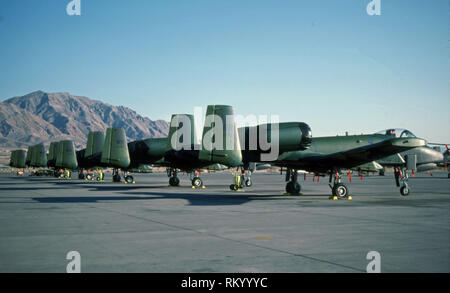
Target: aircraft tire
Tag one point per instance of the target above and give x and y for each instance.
(197, 182)
(293, 188)
(129, 179)
(174, 181)
(248, 182)
(404, 190)
(340, 190)
(81, 176)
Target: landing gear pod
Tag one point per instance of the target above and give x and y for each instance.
(115, 149)
(66, 157)
(220, 139)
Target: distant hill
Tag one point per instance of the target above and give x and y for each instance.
(46, 117)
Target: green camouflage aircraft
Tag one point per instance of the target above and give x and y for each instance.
(181, 153)
(331, 155)
(105, 151)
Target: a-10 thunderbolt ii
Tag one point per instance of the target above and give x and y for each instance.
(221, 144)
(62, 158)
(105, 151)
(297, 150)
(179, 151)
(331, 155)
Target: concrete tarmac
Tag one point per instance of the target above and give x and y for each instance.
(150, 227)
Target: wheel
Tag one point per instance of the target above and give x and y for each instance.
(248, 182)
(129, 179)
(174, 181)
(404, 190)
(232, 186)
(81, 176)
(116, 178)
(293, 188)
(382, 172)
(197, 182)
(340, 190)
(89, 176)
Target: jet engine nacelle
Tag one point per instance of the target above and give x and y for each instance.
(147, 151)
(287, 136)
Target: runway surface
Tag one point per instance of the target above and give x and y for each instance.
(150, 227)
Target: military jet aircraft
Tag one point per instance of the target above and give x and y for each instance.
(418, 159)
(105, 151)
(181, 153)
(331, 155)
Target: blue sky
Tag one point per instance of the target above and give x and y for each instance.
(326, 63)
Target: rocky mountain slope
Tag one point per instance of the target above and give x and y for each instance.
(45, 117)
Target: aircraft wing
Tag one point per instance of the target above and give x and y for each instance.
(356, 156)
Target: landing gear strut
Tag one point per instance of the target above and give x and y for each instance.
(81, 174)
(292, 187)
(401, 180)
(338, 189)
(173, 180)
(241, 179)
(116, 176)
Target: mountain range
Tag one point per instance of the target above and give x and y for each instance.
(41, 117)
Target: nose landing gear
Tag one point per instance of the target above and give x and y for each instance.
(338, 190)
(292, 185)
(401, 180)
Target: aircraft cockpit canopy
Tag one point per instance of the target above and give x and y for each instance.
(397, 132)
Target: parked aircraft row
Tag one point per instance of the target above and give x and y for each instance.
(296, 150)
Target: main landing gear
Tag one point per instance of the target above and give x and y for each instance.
(292, 186)
(173, 180)
(338, 190)
(117, 178)
(242, 179)
(401, 180)
(196, 180)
